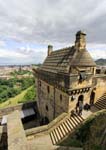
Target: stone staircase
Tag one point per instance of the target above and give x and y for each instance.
(66, 126)
(101, 102)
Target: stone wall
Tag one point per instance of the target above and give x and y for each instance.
(86, 99)
(45, 100)
(100, 86)
(16, 135)
(51, 103)
(59, 100)
(7, 110)
(75, 83)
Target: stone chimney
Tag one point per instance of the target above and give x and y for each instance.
(50, 49)
(80, 42)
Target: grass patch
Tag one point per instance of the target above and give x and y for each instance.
(15, 100)
(30, 95)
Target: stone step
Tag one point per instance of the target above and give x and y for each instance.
(100, 105)
(65, 128)
(77, 120)
(59, 131)
(52, 138)
(55, 136)
(74, 121)
(61, 127)
(101, 102)
(102, 97)
(69, 125)
(81, 118)
(71, 122)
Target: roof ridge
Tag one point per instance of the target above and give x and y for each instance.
(62, 49)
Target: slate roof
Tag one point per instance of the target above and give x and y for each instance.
(83, 58)
(61, 60)
(58, 61)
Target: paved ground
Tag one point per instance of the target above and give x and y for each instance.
(41, 140)
(86, 114)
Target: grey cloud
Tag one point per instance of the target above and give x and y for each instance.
(52, 21)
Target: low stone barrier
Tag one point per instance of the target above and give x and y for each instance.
(45, 128)
(16, 135)
(7, 110)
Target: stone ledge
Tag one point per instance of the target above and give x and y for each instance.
(16, 135)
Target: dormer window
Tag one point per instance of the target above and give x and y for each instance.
(82, 76)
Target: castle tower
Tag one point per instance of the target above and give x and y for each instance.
(56, 85)
(80, 42)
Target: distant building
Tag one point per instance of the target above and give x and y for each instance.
(67, 76)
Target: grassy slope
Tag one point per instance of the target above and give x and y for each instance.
(14, 101)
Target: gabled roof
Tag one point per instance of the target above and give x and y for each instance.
(61, 60)
(58, 61)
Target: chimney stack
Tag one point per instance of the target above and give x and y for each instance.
(80, 42)
(50, 49)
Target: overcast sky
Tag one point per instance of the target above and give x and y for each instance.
(28, 26)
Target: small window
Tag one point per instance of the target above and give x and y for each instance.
(82, 76)
(60, 97)
(46, 108)
(48, 89)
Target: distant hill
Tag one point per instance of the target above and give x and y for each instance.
(101, 61)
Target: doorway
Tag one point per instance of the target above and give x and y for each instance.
(92, 98)
(81, 98)
(79, 105)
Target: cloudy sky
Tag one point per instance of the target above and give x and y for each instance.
(28, 26)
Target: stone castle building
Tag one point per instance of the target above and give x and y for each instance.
(67, 76)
